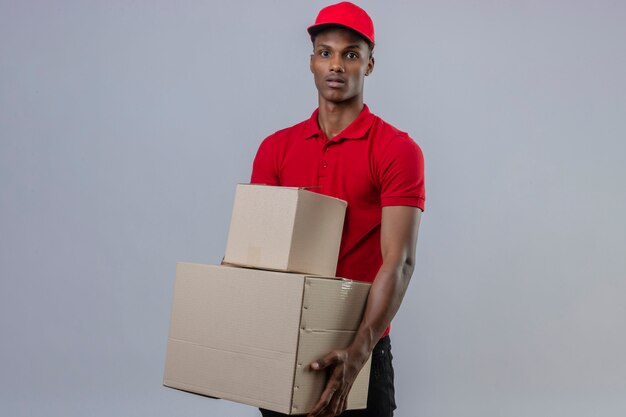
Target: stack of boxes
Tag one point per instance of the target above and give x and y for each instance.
(248, 329)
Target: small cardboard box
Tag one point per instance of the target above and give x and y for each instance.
(285, 229)
(249, 335)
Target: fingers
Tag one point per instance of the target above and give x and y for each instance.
(341, 407)
(333, 399)
(321, 407)
(335, 407)
(344, 406)
(328, 360)
(322, 404)
(342, 401)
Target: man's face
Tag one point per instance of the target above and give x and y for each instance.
(339, 63)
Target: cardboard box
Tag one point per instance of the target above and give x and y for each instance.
(249, 335)
(285, 229)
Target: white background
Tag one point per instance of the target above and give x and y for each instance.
(125, 125)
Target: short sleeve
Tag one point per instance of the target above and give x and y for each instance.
(401, 173)
(265, 166)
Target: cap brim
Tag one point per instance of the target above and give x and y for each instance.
(315, 29)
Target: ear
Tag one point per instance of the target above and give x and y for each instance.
(311, 63)
(370, 66)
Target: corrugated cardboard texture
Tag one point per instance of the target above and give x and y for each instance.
(331, 314)
(261, 227)
(308, 385)
(229, 334)
(238, 334)
(317, 234)
(285, 229)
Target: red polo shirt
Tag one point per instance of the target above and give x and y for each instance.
(370, 164)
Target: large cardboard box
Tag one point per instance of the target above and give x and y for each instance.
(285, 229)
(249, 335)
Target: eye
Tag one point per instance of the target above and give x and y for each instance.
(352, 55)
(324, 53)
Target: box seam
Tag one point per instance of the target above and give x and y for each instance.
(293, 231)
(295, 367)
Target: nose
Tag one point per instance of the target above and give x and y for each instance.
(336, 64)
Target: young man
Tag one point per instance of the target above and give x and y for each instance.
(345, 151)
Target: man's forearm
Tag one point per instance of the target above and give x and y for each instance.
(384, 300)
(399, 229)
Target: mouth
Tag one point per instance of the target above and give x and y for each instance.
(335, 82)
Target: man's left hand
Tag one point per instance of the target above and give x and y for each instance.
(344, 366)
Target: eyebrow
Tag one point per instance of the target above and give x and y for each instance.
(353, 46)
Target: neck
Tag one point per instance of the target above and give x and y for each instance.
(335, 117)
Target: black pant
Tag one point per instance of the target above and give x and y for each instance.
(381, 396)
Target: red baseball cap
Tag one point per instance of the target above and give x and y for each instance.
(344, 14)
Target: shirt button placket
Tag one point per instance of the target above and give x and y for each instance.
(323, 165)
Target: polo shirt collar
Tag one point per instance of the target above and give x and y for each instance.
(355, 130)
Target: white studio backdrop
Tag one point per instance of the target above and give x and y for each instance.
(124, 127)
